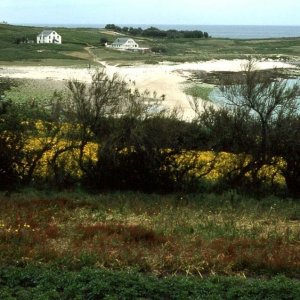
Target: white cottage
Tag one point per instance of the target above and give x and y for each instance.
(48, 37)
(124, 43)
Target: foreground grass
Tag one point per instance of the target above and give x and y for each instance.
(164, 235)
(33, 282)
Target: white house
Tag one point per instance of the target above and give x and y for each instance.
(124, 44)
(48, 37)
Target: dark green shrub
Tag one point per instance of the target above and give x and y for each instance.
(34, 282)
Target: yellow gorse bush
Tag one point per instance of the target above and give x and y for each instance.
(57, 143)
(213, 165)
(68, 159)
(207, 164)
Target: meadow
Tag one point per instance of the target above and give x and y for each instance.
(171, 240)
(82, 46)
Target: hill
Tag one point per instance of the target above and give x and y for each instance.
(81, 46)
(72, 51)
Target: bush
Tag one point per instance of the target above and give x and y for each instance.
(159, 49)
(103, 41)
(33, 282)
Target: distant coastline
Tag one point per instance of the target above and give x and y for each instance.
(217, 31)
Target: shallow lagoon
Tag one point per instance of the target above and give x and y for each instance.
(216, 95)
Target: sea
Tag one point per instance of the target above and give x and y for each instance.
(216, 31)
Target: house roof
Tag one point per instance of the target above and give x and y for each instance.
(46, 32)
(121, 40)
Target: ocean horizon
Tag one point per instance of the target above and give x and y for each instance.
(216, 31)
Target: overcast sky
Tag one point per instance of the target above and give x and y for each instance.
(202, 12)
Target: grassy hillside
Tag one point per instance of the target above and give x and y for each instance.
(75, 40)
(182, 50)
(72, 49)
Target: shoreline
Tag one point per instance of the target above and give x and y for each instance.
(165, 78)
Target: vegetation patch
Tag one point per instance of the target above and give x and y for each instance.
(214, 78)
(166, 235)
(199, 91)
(34, 282)
(32, 91)
(6, 84)
(155, 32)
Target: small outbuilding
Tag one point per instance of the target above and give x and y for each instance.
(48, 37)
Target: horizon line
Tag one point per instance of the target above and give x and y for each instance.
(171, 24)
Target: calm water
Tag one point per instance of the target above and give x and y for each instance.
(217, 97)
(218, 31)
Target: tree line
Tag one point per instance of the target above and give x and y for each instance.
(158, 33)
(109, 136)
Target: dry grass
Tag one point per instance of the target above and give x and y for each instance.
(162, 235)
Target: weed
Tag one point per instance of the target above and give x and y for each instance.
(198, 234)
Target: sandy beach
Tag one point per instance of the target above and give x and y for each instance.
(165, 78)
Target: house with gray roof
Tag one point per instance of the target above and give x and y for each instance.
(48, 37)
(124, 44)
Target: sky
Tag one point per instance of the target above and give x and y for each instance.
(189, 12)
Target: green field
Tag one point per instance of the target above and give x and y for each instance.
(74, 51)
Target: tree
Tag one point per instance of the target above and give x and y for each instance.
(103, 41)
(193, 34)
(11, 145)
(159, 49)
(110, 26)
(138, 141)
(286, 146)
(254, 106)
(28, 131)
